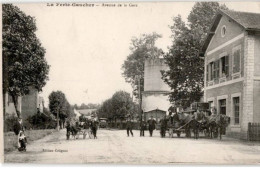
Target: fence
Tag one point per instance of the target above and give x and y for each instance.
(254, 131)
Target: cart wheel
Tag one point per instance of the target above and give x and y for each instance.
(179, 135)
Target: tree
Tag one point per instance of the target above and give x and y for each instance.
(24, 64)
(118, 106)
(59, 107)
(141, 48)
(185, 76)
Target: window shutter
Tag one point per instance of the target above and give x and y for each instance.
(216, 69)
(207, 72)
(236, 61)
(226, 65)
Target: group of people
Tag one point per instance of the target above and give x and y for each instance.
(89, 127)
(143, 125)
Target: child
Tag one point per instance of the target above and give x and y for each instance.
(22, 141)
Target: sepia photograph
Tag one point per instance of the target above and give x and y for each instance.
(131, 83)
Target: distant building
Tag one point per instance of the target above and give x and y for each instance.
(232, 69)
(155, 100)
(87, 113)
(30, 103)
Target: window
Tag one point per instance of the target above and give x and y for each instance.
(211, 69)
(207, 73)
(223, 31)
(216, 66)
(224, 66)
(211, 105)
(236, 109)
(222, 106)
(236, 60)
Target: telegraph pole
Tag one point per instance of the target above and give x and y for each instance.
(139, 92)
(58, 121)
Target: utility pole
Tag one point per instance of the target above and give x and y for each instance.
(58, 121)
(139, 92)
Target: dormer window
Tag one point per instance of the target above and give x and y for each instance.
(223, 31)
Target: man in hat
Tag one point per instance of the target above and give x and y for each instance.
(129, 126)
(163, 126)
(151, 125)
(142, 127)
(94, 127)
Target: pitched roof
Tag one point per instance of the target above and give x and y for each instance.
(249, 21)
(245, 19)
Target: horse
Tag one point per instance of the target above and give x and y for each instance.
(223, 122)
(218, 123)
(182, 120)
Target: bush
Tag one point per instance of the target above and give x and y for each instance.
(9, 123)
(41, 121)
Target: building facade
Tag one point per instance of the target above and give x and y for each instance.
(31, 103)
(28, 105)
(155, 100)
(232, 69)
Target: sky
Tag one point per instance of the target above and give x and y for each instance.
(86, 46)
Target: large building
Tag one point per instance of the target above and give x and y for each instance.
(155, 100)
(232, 69)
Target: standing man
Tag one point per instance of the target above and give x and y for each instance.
(170, 124)
(129, 126)
(142, 127)
(163, 126)
(68, 128)
(151, 125)
(94, 125)
(85, 129)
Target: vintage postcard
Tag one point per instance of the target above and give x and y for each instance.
(131, 83)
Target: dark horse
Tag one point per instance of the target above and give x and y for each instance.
(190, 122)
(217, 124)
(181, 120)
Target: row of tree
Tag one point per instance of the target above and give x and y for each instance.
(118, 106)
(186, 67)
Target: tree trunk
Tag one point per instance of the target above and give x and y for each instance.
(58, 122)
(5, 81)
(15, 100)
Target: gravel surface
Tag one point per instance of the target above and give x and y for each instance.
(115, 147)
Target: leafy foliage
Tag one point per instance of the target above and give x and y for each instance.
(185, 76)
(24, 64)
(141, 49)
(42, 120)
(59, 106)
(120, 105)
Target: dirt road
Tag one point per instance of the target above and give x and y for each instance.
(116, 147)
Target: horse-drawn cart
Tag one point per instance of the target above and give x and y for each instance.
(81, 128)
